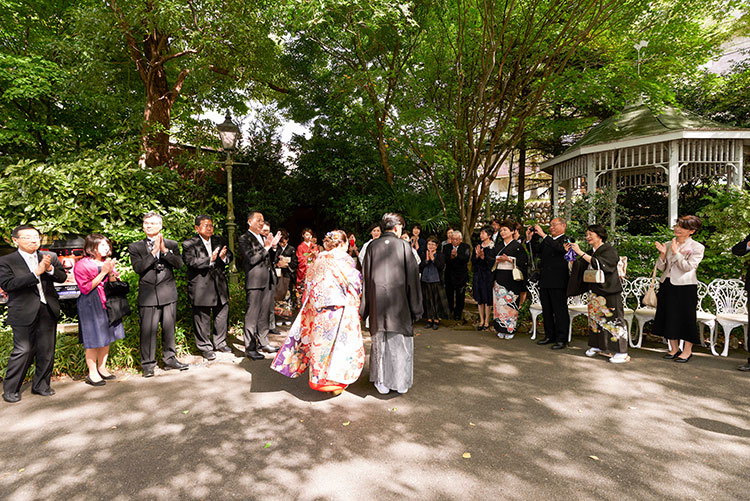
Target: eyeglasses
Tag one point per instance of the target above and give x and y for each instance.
(36, 237)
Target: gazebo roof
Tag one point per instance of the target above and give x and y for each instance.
(638, 124)
(637, 121)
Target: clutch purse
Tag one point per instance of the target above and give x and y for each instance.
(594, 276)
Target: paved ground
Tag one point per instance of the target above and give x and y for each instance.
(538, 424)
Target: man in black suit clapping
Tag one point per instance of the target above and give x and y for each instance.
(154, 258)
(206, 256)
(553, 280)
(258, 258)
(741, 249)
(28, 276)
(457, 255)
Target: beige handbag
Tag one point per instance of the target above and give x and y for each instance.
(517, 273)
(594, 276)
(649, 298)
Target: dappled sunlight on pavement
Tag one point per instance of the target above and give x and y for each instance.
(536, 424)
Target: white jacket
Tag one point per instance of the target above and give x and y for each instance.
(681, 268)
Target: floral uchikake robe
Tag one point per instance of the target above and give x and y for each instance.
(326, 336)
(607, 327)
(504, 309)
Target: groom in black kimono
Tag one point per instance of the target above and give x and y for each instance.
(392, 300)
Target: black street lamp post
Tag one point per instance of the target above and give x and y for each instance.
(229, 133)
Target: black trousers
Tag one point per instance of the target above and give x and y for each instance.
(456, 299)
(151, 317)
(556, 318)
(202, 325)
(255, 333)
(35, 342)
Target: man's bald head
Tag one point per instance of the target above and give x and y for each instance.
(557, 226)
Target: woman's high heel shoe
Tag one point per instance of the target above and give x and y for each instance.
(683, 360)
(669, 356)
(95, 383)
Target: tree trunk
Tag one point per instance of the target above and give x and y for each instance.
(521, 204)
(156, 117)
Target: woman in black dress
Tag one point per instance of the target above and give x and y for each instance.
(509, 254)
(482, 260)
(433, 292)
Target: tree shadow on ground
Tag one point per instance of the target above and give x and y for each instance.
(537, 424)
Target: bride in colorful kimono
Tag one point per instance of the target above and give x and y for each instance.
(326, 336)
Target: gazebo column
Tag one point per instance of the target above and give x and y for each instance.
(568, 199)
(613, 207)
(590, 186)
(673, 179)
(739, 173)
(553, 196)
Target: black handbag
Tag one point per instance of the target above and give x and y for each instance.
(116, 292)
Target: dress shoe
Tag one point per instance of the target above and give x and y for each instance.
(254, 355)
(209, 355)
(274, 331)
(559, 346)
(44, 393)
(107, 378)
(269, 349)
(148, 372)
(545, 341)
(94, 383)
(435, 326)
(683, 360)
(224, 349)
(744, 368)
(12, 398)
(669, 356)
(428, 324)
(175, 364)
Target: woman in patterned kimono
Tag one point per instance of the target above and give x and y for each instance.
(326, 336)
(506, 290)
(607, 328)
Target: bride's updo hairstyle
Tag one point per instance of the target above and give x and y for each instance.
(333, 239)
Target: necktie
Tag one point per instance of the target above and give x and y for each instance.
(34, 262)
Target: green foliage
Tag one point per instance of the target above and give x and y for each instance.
(103, 195)
(600, 207)
(726, 219)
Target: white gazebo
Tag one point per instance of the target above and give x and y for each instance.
(640, 148)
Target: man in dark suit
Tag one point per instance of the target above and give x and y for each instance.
(741, 249)
(258, 259)
(207, 256)
(495, 224)
(457, 255)
(392, 300)
(553, 280)
(274, 252)
(154, 258)
(28, 277)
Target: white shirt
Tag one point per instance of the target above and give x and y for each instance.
(207, 245)
(260, 239)
(32, 261)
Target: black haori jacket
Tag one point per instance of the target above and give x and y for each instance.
(392, 296)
